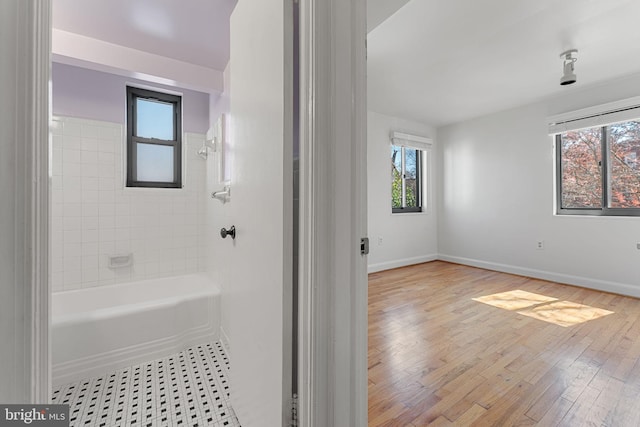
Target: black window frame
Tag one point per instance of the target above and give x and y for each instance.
(134, 93)
(419, 178)
(605, 173)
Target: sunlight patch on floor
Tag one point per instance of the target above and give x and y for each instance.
(541, 307)
(514, 300)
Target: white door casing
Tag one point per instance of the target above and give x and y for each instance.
(25, 34)
(259, 260)
(333, 280)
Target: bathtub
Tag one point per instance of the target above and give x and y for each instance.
(101, 329)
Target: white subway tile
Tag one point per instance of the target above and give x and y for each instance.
(72, 169)
(89, 276)
(123, 247)
(71, 250)
(71, 142)
(107, 235)
(122, 234)
(57, 263)
(70, 263)
(107, 248)
(108, 197)
(57, 209)
(57, 281)
(71, 223)
(72, 128)
(89, 131)
(90, 248)
(72, 279)
(106, 158)
(107, 221)
(72, 210)
(71, 184)
(89, 170)
(89, 145)
(72, 236)
(90, 209)
(89, 157)
(106, 146)
(90, 236)
(106, 209)
(106, 171)
(71, 156)
(107, 184)
(123, 221)
(90, 262)
(90, 196)
(106, 274)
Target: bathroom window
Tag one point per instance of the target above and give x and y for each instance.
(154, 139)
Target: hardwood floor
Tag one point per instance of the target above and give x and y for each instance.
(438, 357)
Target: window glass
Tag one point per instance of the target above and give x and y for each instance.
(624, 158)
(155, 162)
(581, 154)
(411, 178)
(396, 176)
(406, 177)
(154, 119)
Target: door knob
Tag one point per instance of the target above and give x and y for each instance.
(230, 232)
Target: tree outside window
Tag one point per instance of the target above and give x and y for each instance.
(599, 170)
(406, 178)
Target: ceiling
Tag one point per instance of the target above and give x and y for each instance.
(432, 61)
(441, 62)
(193, 31)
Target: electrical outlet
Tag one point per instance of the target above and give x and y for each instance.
(380, 241)
(540, 245)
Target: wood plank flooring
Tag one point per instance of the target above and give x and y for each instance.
(439, 358)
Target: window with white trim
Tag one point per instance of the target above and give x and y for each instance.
(408, 167)
(598, 162)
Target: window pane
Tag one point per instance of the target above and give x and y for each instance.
(581, 154)
(154, 119)
(396, 177)
(155, 162)
(411, 175)
(624, 146)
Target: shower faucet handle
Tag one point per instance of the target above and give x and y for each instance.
(230, 232)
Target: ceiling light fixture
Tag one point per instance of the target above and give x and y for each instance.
(568, 59)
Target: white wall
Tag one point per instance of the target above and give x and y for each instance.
(95, 216)
(497, 195)
(408, 238)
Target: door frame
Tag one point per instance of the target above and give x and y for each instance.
(333, 292)
(332, 336)
(27, 117)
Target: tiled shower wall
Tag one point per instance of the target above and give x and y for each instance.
(94, 216)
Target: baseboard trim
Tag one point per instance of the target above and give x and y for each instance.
(373, 268)
(585, 282)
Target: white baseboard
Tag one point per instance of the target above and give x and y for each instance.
(372, 268)
(586, 282)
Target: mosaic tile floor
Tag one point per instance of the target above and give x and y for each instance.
(189, 388)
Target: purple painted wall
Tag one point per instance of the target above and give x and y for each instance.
(83, 93)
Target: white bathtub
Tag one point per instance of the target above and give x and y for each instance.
(97, 330)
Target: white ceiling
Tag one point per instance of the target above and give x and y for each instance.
(441, 62)
(193, 31)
